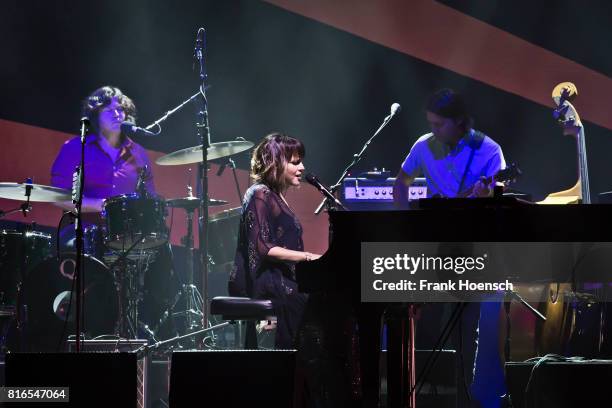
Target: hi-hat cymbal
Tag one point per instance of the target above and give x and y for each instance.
(191, 203)
(39, 193)
(194, 154)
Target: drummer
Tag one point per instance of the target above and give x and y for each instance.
(114, 165)
(113, 161)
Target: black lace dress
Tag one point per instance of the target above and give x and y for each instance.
(267, 222)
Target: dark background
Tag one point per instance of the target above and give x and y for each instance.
(270, 69)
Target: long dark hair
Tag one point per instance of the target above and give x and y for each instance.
(270, 159)
(102, 97)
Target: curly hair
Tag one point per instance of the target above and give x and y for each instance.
(270, 159)
(102, 97)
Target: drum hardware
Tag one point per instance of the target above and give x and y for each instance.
(33, 192)
(127, 281)
(127, 277)
(135, 220)
(13, 191)
(12, 276)
(232, 165)
(202, 153)
(189, 292)
(20, 252)
(49, 284)
(193, 154)
(7, 318)
(191, 203)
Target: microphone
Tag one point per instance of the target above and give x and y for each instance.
(131, 130)
(314, 180)
(230, 162)
(200, 44)
(221, 169)
(395, 108)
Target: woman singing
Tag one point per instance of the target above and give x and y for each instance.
(270, 237)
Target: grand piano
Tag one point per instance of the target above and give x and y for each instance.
(502, 219)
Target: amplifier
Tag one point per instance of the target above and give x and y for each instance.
(233, 378)
(559, 384)
(366, 193)
(121, 346)
(93, 379)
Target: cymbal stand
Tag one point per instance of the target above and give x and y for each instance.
(193, 299)
(203, 132)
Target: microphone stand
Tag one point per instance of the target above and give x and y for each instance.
(332, 202)
(78, 201)
(356, 159)
(203, 132)
(171, 112)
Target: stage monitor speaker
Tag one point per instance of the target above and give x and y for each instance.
(124, 346)
(94, 379)
(232, 378)
(559, 384)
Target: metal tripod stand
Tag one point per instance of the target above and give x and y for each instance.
(127, 279)
(189, 292)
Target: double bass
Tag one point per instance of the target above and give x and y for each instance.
(566, 115)
(554, 335)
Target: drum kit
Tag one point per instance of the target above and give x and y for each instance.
(36, 284)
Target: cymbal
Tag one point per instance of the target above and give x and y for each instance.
(194, 154)
(191, 203)
(39, 193)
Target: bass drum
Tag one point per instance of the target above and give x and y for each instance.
(50, 308)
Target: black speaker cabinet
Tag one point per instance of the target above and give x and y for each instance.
(232, 378)
(94, 379)
(560, 384)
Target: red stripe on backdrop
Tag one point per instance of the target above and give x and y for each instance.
(445, 37)
(29, 151)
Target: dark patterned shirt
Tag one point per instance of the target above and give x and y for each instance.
(266, 222)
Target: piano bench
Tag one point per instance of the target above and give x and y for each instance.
(243, 309)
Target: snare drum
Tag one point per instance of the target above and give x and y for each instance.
(135, 221)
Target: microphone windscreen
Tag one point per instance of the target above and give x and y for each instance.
(311, 178)
(396, 107)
